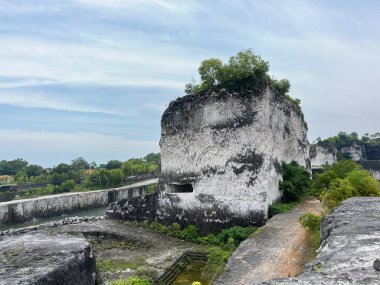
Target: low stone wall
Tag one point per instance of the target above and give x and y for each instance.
(49, 206)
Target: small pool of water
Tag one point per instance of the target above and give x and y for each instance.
(97, 212)
(192, 273)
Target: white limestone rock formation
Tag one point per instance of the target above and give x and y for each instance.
(320, 155)
(221, 155)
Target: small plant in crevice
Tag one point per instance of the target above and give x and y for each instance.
(312, 222)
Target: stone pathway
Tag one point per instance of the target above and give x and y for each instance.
(280, 249)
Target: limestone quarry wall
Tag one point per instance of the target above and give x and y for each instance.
(48, 206)
(227, 147)
(320, 156)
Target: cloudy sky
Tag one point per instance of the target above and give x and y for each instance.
(91, 78)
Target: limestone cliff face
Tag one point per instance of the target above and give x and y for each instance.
(221, 155)
(320, 156)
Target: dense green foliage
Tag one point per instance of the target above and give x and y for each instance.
(78, 175)
(343, 139)
(343, 180)
(218, 247)
(227, 238)
(296, 182)
(243, 70)
(12, 167)
(311, 221)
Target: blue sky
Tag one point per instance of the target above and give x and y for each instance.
(91, 78)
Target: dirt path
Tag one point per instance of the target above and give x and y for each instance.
(280, 249)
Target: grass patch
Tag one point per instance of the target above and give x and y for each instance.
(114, 265)
(131, 281)
(218, 247)
(216, 261)
(280, 208)
(313, 224)
(103, 243)
(228, 239)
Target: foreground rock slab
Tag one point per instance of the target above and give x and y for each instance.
(280, 249)
(350, 247)
(42, 258)
(351, 244)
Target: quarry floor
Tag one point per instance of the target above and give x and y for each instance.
(280, 249)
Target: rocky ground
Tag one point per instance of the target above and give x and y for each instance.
(350, 247)
(124, 250)
(280, 249)
(64, 252)
(43, 258)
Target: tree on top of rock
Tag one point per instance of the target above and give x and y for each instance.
(245, 68)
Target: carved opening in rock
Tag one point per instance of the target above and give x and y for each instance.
(179, 188)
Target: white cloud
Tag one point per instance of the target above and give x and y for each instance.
(94, 62)
(171, 6)
(51, 148)
(43, 101)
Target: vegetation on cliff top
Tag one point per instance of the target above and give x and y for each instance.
(243, 70)
(343, 139)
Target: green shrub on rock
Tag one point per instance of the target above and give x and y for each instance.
(296, 181)
(343, 180)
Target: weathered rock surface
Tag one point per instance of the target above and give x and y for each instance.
(279, 249)
(351, 245)
(221, 155)
(46, 259)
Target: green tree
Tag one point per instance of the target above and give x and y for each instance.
(62, 168)
(79, 164)
(296, 181)
(113, 164)
(12, 167)
(363, 183)
(153, 158)
(56, 179)
(323, 181)
(67, 186)
(339, 190)
(342, 168)
(116, 177)
(33, 170)
(210, 72)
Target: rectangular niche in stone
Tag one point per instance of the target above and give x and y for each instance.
(179, 188)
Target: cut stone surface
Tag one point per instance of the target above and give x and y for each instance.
(350, 247)
(46, 259)
(280, 249)
(137, 246)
